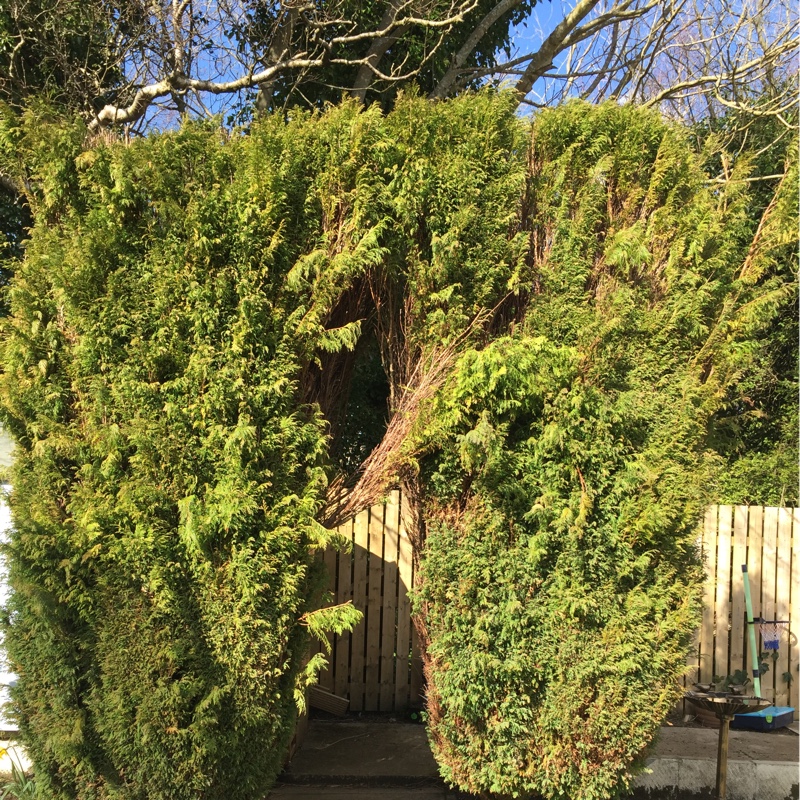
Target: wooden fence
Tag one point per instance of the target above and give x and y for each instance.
(378, 665)
(768, 541)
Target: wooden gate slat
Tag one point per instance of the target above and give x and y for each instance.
(389, 626)
(374, 610)
(344, 593)
(358, 640)
(326, 675)
(403, 671)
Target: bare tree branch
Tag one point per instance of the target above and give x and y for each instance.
(468, 48)
(542, 59)
(742, 70)
(299, 38)
(691, 58)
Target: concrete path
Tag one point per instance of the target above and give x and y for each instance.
(392, 761)
(364, 751)
(695, 743)
(761, 766)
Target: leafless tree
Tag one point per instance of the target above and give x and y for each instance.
(692, 58)
(196, 49)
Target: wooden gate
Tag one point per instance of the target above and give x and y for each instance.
(378, 665)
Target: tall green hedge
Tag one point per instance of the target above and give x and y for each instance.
(174, 298)
(566, 464)
(166, 480)
(176, 327)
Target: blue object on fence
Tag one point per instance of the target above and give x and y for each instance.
(768, 719)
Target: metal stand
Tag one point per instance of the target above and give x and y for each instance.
(725, 705)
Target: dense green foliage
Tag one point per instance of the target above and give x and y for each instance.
(174, 296)
(756, 431)
(167, 476)
(61, 50)
(194, 337)
(566, 464)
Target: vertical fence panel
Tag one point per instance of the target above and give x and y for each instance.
(326, 675)
(783, 579)
(315, 646)
(389, 613)
(722, 592)
(357, 649)
(374, 610)
(404, 568)
(344, 593)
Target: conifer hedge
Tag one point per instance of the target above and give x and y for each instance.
(180, 303)
(174, 296)
(567, 463)
(166, 479)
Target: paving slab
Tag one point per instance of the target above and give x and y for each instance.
(363, 750)
(677, 742)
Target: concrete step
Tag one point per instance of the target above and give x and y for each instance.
(374, 757)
